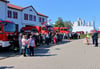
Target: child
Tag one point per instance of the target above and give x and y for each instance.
(88, 38)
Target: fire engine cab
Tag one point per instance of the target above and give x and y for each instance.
(38, 29)
(7, 29)
(62, 30)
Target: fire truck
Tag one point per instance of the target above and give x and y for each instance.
(7, 29)
(38, 29)
(62, 30)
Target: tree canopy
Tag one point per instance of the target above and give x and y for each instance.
(59, 23)
(68, 24)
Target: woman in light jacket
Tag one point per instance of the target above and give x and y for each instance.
(31, 45)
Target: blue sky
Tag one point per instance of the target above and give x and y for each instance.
(69, 10)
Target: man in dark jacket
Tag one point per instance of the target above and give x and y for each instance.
(95, 38)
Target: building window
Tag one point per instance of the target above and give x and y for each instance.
(30, 17)
(15, 15)
(25, 16)
(9, 14)
(30, 9)
(39, 19)
(34, 18)
(42, 19)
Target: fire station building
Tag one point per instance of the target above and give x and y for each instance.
(21, 16)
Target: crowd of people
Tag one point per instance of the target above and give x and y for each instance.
(71, 36)
(26, 42)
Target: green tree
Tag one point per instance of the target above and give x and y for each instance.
(59, 23)
(68, 24)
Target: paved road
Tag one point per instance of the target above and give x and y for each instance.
(72, 55)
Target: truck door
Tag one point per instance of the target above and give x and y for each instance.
(1, 32)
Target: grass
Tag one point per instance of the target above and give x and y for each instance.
(84, 35)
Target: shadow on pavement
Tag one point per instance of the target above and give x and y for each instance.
(63, 42)
(5, 53)
(43, 55)
(6, 67)
(42, 50)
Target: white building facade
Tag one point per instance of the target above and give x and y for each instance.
(21, 16)
(99, 28)
(80, 25)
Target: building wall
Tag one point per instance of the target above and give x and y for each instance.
(45, 19)
(83, 28)
(3, 8)
(80, 25)
(28, 22)
(16, 21)
(20, 20)
(99, 28)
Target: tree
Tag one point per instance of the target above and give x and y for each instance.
(68, 24)
(59, 23)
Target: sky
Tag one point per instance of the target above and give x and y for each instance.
(68, 10)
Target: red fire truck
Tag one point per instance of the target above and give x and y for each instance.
(38, 29)
(57, 29)
(7, 29)
(62, 30)
(35, 29)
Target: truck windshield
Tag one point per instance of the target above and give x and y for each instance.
(43, 28)
(56, 30)
(49, 28)
(65, 29)
(34, 30)
(8, 27)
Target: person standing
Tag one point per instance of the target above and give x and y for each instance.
(50, 37)
(64, 36)
(15, 42)
(95, 38)
(24, 41)
(44, 38)
(88, 38)
(92, 39)
(54, 39)
(20, 43)
(31, 45)
(78, 35)
(47, 38)
(40, 39)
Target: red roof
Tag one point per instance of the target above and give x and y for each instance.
(21, 8)
(14, 6)
(42, 14)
